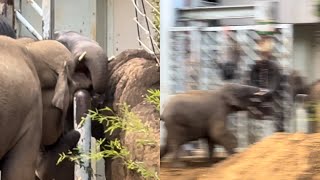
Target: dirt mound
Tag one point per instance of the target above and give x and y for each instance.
(280, 156)
(132, 73)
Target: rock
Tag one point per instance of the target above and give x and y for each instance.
(132, 73)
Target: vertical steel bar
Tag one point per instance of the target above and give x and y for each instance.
(138, 28)
(81, 106)
(46, 18)
(52, 18)
(147, 23)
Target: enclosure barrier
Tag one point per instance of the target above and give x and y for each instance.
(47, 15)
(81, 106)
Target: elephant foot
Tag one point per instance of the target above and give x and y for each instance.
(178, 165)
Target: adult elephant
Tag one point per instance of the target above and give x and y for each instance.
(21, 111)
(61, 75)
(203, 114)
(52, 61)
(94, 57)
(94, 64)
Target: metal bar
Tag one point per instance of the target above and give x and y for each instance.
(52, 19)
(231, 28)
(81, 106)
(28, 25)
(153, 8)
(138, 29)
(46, 18)
(36, 7)
(145, 16)
(145, 47)
(217, 12)
(5, 8)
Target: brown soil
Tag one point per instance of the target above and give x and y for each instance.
(281, 156)
(194, 168)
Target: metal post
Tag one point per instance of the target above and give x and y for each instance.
(52, 19)
(46, 18)
(36, 7)
(28, 25)
(81, 106)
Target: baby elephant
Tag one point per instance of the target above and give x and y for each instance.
(203, 114)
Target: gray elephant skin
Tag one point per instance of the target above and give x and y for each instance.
(95, 65)
(51, 61)
(46, 162)
(21, 112)
(59, 81)
(62, 74)
(94, 58)
(203, 114)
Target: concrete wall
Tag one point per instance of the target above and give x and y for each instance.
(306, 56)
(237, 21)
(297, 11)
(124, 29)
(109, 22)
(81, 18)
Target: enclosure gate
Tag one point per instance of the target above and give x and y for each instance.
(193, 61)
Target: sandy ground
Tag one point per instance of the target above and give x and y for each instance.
(282, 156)
(194, 168)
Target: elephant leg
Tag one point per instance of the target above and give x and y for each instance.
(108, 169)
(20, 162)
(164, 149)
(279, 122)
(174, 145)
(177, 163)
(227, 140)
(210, 150)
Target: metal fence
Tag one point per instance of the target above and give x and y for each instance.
(195, 52)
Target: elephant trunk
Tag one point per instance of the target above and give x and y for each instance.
(98, 74)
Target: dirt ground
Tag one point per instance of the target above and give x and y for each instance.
(194, 168)
(282, 156)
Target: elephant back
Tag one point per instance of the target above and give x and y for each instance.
(51, 52)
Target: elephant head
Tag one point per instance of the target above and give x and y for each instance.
(244, 97)
(92, 64)
(88, 58)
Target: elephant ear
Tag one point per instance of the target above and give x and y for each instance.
(61, 93)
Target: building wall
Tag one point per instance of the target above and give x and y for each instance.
(237, 21)
(124, 29)
(109, 22)
(306, 57)
(297, 11)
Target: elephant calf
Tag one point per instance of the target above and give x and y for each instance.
(203, 114)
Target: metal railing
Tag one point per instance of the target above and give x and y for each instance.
(46, 13)
(148, 28)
